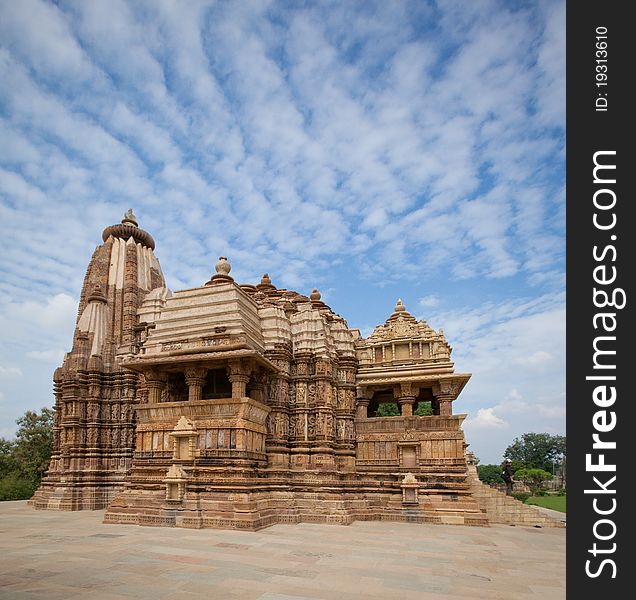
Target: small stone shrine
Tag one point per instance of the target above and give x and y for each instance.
(240, 406)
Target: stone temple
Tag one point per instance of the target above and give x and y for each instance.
(240, 406)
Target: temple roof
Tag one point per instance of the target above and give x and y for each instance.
(402, 325)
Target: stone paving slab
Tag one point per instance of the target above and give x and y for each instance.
(48, 554)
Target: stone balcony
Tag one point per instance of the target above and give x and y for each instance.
(410, 443)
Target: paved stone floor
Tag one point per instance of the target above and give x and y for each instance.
(53, 555)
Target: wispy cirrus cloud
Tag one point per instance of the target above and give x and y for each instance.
(353, 145)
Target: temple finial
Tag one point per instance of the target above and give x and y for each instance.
(129, 217)
(129, 228)
(222, 266)
(399, 306)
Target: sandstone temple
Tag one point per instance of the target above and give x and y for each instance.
(239, 406)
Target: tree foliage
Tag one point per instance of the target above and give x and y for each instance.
(490, 474)
(24, 460)
(537, 451)
(387, 409)
(391, 409)
(424, 409)
(533, 478)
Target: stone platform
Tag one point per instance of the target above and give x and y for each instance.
(54, 555)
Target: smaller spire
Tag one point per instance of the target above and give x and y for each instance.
(97, 295)
(266, 283)
(400, 313)
(130, 218)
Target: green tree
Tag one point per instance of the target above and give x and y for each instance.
(490, 473)
(24, 460)
(534, 478)
(34, 439)
(7, 461)
(537, 451)
(391, 409)
(424, 409)
(387, 409)
(12, 487)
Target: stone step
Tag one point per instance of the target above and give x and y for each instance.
(505, 509)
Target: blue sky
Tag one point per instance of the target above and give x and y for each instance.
(374, 150)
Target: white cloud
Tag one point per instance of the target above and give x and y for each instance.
(513, 403)
(54, 357)
(291, 141)
(354, 146)
(484, 419)
(536, 359)
(553, 411)
(40, 34)
(51, 317)
(429, 301)
(10, 372)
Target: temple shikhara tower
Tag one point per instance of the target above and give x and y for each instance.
(240, 406)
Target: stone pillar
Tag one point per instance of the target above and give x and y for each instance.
(257, 385)
(407, 392)
(362, 404)
(445, 405)
(238, 372)
(93, 400)
(445, 392)
(195, 378)
(155, 383)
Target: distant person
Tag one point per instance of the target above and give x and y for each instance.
(506, 475)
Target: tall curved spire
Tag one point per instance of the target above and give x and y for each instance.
(94, 395)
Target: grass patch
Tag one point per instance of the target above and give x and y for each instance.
(553, 502)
